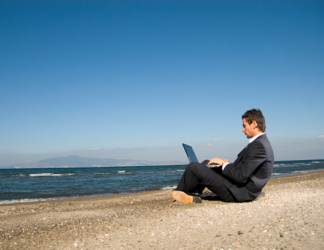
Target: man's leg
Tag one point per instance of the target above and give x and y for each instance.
(197, 176)
(189, 182)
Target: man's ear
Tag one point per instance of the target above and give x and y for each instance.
(254, 124)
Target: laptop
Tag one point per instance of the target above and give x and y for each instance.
(192, 156)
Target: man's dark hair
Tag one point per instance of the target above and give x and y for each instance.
(255, 115)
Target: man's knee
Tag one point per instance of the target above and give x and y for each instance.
(197, 168)
(193, 166)
(205, 162)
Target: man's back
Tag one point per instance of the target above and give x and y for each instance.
(251, 170)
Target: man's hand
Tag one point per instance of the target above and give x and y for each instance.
(217, 161)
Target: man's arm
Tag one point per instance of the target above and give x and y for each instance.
(241, 170)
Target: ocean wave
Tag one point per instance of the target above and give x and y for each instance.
(123, 172)
(291, 173)
(47, 174)
(282, 165)
(291, 165)
(300, 172)
(165, 188)
(26, 200)
(20, 175)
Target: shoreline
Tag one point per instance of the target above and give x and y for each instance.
(289, 215)
(27, 200)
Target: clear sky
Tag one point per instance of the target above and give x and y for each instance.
(135, 79)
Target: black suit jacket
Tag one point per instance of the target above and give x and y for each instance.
(251, 170)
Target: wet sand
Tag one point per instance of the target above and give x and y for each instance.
(290, 215)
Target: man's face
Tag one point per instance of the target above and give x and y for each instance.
(249, 129)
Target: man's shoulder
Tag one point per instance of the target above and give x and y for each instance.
(262, 137)
(262, 142)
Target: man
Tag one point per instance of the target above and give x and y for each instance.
(240, 181)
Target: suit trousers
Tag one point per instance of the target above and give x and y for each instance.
(197, 176)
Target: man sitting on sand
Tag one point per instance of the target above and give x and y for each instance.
(240, 181)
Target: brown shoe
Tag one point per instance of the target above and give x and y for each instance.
(182, 197)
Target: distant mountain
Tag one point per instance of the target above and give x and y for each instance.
(74, 161)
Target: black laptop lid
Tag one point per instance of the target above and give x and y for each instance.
(190, 153)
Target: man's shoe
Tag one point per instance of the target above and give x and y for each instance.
(182, 197)
(195, 194)
(196, 199)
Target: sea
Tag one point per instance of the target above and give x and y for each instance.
(41, 184)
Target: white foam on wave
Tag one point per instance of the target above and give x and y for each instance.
(292, 173)
(48, 174)
(291, 165)
(165, 188)
(300, 172)
(26, 200)
(20, 175)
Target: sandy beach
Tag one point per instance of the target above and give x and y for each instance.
(288, 215)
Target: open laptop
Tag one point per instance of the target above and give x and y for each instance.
(192, 156)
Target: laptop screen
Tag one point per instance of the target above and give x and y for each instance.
(190, 153)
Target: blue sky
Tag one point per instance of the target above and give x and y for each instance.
(135, 79)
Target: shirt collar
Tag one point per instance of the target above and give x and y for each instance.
(253, 138)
